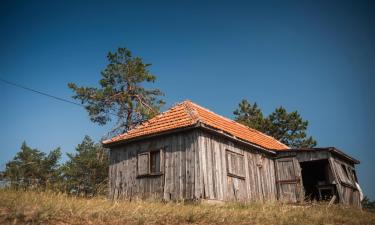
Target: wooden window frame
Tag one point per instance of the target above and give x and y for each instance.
(231, 174)
(349, 180)
(350, 172)
(149, 173)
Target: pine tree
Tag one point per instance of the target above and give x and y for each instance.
(288, 128)
(249, 115)
(86, 171)
(31, 168)
(121, 93)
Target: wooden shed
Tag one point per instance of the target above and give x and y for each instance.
(325, 172)
(191, 153)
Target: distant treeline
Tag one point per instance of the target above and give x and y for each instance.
(85, 172)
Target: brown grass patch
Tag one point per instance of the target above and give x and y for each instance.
(53, 208)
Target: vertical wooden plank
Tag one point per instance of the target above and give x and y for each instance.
(223, 170)
(202, 162)
(213, 166)
(204, 167)
(187, 168)
(247, 178)
(336, 178)
(197, 167)
(209, 167)
(218, 171)
(168, 173)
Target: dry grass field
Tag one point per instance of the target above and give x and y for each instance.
(52, 208)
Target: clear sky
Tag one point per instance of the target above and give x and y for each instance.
(317, 57)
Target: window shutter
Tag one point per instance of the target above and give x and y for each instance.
(143, 164)
(235, 164)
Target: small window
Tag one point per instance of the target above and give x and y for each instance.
(343, 167)
(346, 175)
(352, 175)
(155, 162)
(149, 163)
(235, 164)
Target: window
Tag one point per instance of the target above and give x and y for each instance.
(352, 175)
(345, 174)
(155, 162)
(235, 164)
(149, 163)
(343, 167)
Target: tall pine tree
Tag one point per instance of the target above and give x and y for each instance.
(121, 93)
(249, 115)
(288, 128)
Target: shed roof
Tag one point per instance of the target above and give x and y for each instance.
(188, 114)
(333, 150)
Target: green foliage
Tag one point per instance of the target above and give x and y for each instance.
(121, 92)
(250, 115)
(288, 128)
(368, 204)
(86, 171)
(31, 168)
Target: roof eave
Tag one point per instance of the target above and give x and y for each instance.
(329, 149)
(234, 138)
(124, 141)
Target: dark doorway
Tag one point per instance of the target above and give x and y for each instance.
(317, 182)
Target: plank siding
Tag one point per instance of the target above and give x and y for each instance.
(195, 165)
(346, 190)
(346, 187)
(257, 183)
(178, 171)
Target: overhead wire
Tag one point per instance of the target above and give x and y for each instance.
(43, 93)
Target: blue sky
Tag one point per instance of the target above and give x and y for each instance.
(317, 57)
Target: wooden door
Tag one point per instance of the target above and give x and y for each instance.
(289, 180)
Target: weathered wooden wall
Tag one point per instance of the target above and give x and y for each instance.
(198, 164)
(194, 166)
(177, 179)
(346, 186)
(257, 182)
(289, 179)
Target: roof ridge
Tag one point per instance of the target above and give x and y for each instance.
(232, 121)
(193, 114)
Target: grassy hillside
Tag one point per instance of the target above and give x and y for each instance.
(52, 208)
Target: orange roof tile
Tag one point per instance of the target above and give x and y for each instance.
(186, 114)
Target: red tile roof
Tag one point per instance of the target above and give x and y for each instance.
(186, 114)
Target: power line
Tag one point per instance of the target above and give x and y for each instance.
(39, 92)
(43, 93)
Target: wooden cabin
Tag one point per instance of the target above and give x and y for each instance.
(191, 153)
